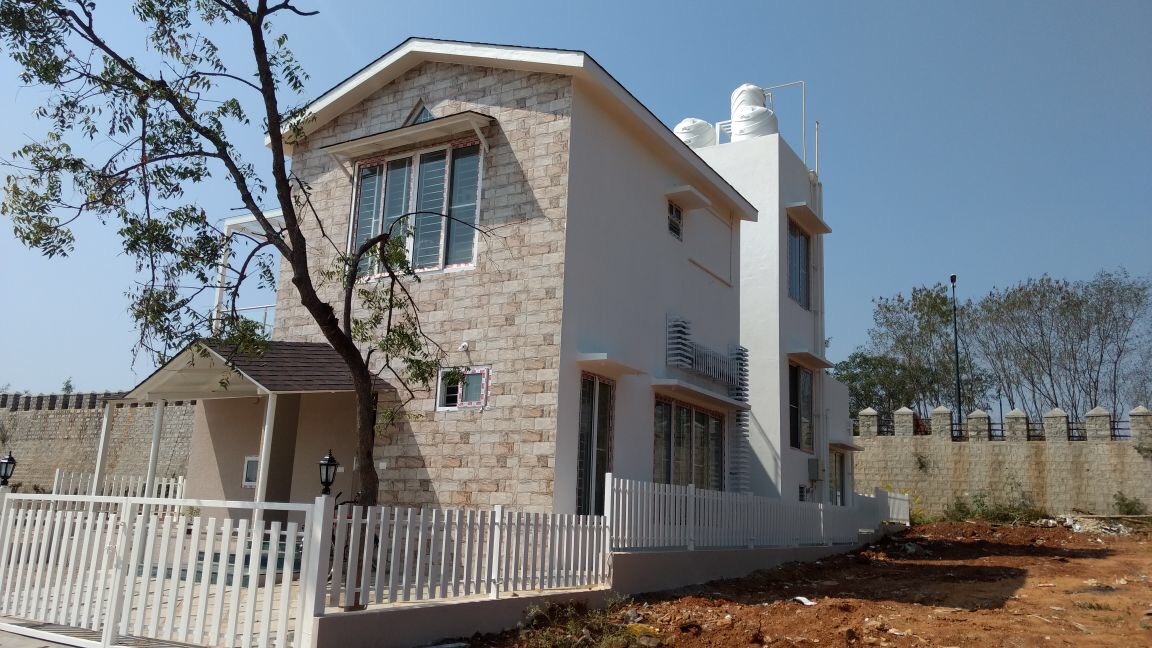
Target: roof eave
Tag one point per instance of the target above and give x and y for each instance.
(578, 64)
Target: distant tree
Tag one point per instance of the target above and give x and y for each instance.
(136, 131)
(875, 381)
(915, 333)
(1074, 345)
(67, 387)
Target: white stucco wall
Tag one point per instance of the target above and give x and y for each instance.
(771, 176)
(624, 273)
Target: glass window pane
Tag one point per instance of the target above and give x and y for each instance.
(662, 443)
(604, 408)
(700, 451)
(682, 447)
(449, 393)
(367, 213)
(584, 453)
(473, 388)
(806, 419)
(794, 406)
(396, 195)
(251, 470)
(462, 208)
(803, 296)
(716, 445)
(429, 220)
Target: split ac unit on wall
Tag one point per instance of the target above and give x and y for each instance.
(815, 469)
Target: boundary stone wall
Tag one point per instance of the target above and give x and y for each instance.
(49, 431)
(1068, 467)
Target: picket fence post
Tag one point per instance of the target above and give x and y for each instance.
(314, 572)
(609, 509)
(126, 530)
(495, 549)
(690, 517)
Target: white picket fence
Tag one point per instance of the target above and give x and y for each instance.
(645, 515)
(384, 554)
(121, 568)
(67, 482)
(218, 573)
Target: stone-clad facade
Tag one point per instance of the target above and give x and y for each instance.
(1055, 472)
(507, 308)
(49, 432)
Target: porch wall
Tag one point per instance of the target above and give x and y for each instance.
(225, 431)
(326, 422)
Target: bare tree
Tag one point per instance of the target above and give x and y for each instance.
(132, 138)
(1074, 345)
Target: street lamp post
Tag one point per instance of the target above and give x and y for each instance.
(956, 351)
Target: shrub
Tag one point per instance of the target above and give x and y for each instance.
(917, 516)
(1013, 509)
(1129, 505)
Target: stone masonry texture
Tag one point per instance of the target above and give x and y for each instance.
(47, 435)
(1055, 474)
(507, 308)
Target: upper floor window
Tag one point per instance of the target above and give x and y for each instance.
(431, 197)
(799, 259)
(675, 220)
(800, 421)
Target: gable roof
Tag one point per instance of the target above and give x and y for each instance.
(575, 63)
(207, 370)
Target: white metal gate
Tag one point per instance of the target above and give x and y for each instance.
(104, 571)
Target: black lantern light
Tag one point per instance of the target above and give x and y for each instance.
(328, 466)
(7, 467)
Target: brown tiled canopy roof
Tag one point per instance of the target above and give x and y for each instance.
(293, 367)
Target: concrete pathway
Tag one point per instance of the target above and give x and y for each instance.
(9, 640)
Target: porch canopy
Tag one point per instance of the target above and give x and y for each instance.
(206, 370)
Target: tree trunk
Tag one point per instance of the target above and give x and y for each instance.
(369, 481)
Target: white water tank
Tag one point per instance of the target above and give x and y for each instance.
(750, 118)
(696, 133)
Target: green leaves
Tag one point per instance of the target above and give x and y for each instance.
(1038, 344)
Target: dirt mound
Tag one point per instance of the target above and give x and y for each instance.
(941, 584)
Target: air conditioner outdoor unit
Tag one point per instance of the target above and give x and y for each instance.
(815, 469)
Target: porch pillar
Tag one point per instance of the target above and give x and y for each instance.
(102, 450)
(265, 449)
(154, 451)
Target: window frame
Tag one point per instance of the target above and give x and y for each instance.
(670, 460)
(414, 155)
(806, 302)
(250, 459)
(674, 208)
(837, 478)
(485, 373)
(795, 432)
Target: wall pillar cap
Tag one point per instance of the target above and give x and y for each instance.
(942, 410)
(1098, 411)
(868, 411)
(903, 410)
(979, 413)
(1140, 410)
(1055, 412)
(1016, 413)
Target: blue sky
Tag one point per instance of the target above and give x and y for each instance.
(996, 140)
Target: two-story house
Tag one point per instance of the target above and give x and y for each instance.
(604, 307)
